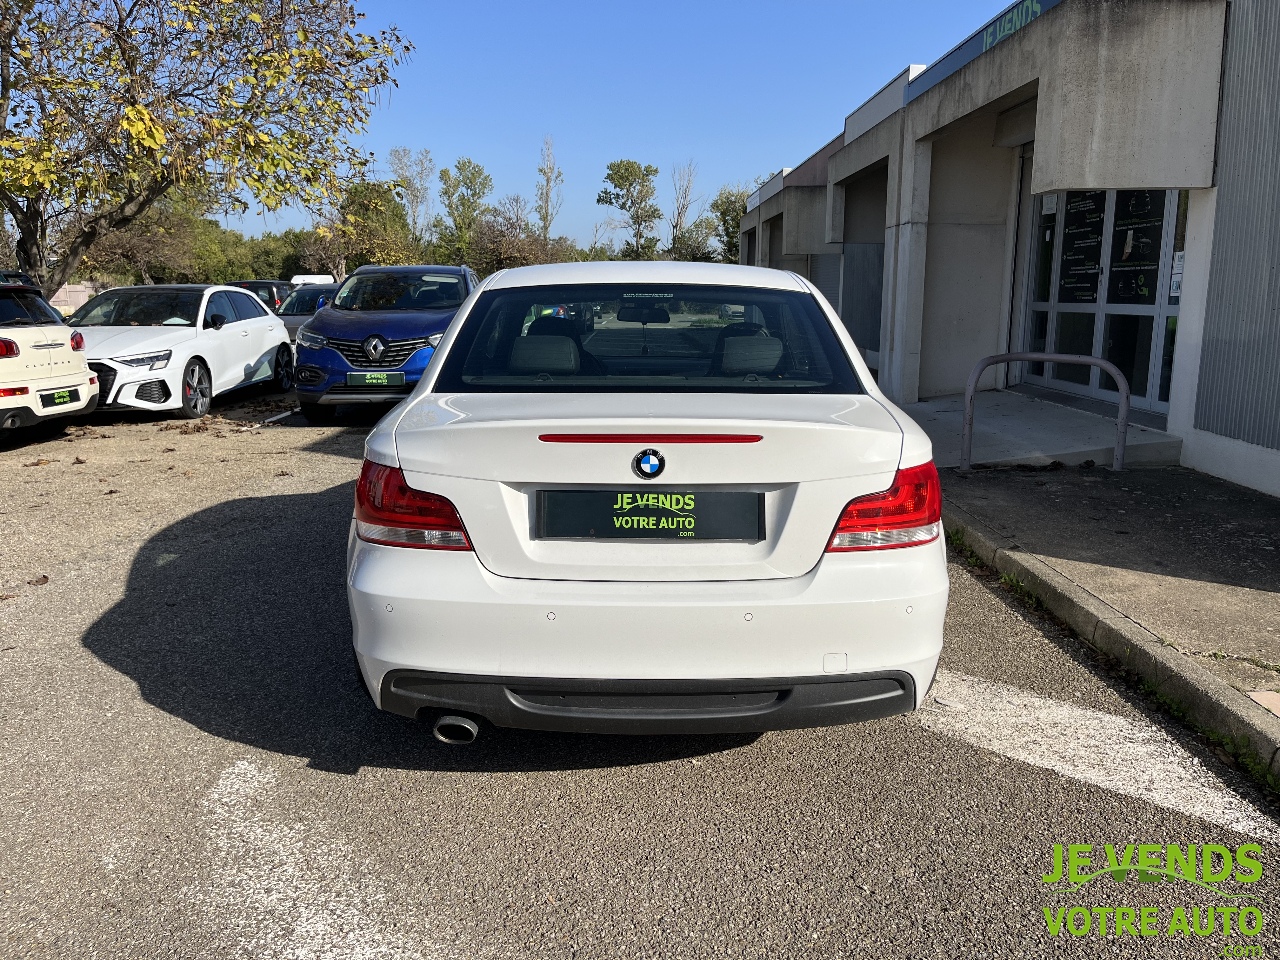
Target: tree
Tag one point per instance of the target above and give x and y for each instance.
(159, 243)
(550, 195)
(369, 225)
(691, 232)
(463, 191)
(414, 174)
(630, 190)
(505, 237)
(106, 106)
(727, 210)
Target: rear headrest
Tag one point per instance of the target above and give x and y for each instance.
(551, 355)
(643, 315)
(551, 327)
(744, 355)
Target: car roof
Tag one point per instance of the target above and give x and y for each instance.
(236, 283)
(166, 286)
(8, 285)
(414, 268)
(614, 271)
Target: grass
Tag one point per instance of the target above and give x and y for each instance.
(957, 542)
(1021, 591)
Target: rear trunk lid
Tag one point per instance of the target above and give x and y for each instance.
(491, 454)
(33, 361)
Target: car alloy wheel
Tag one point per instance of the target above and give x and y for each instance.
(283, 368)
(197, 390)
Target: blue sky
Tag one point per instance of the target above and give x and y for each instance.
(741, 88)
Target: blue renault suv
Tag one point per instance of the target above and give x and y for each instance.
(373, 341)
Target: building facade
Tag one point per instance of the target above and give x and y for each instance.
(1093, 177)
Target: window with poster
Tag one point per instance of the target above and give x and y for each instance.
(1106, 280)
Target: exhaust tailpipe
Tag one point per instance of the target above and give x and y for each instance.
(12, 422)
(455, 730)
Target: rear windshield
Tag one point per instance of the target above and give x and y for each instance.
(129, 307)
(647, 338)
(400, 291)
(23, 308)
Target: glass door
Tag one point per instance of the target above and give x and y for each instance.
(1107, 277)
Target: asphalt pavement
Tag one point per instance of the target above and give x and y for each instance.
(189, 767)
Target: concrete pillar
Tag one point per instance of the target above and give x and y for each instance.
(905, 241)
(1183, 385)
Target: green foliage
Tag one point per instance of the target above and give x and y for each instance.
(463, 191)
(174, 243)
(727, 210)
(630, 190)
(107, 106)
(377, 226)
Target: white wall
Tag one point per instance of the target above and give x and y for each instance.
(73, 296)
(1244, 463)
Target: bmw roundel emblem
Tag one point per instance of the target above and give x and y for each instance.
(648, 464)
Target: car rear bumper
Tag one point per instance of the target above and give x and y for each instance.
(29, 414)
(853, 617)
(652, 706)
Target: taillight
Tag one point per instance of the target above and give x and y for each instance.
(8, 348)
(390, 512)
(77, 340)
(909, 513)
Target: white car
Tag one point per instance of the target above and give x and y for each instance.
(678, 522)
(177, 347)
(43, 374)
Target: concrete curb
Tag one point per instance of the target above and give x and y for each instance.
(1209, 704)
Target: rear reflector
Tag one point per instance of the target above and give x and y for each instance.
(908, 514)
(14, 391)
(665, 438)
(390, 512)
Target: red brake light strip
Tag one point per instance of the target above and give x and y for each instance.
(664, 438)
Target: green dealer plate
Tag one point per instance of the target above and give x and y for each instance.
(650, 515)
(59, 397)
(375, 379)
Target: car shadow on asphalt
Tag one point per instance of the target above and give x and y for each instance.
(235, 620)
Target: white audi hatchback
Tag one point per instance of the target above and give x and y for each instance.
(176, 347)
(695, 514)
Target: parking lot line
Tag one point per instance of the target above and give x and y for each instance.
(1133, 758)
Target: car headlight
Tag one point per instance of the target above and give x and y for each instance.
(156, 361)
(435, 339)
(308, 339)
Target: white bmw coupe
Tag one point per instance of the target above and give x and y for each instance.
(177, 347)
(698, 514)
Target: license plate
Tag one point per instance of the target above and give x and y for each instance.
(650, 515)
(58, 397)
(375, 379)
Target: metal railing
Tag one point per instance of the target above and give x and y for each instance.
(1122, 418)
